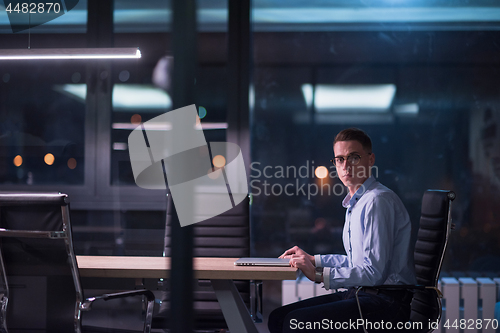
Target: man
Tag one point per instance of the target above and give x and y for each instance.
(376, 239)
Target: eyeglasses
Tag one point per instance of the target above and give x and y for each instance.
(352, 159)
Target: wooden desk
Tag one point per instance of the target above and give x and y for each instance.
(221, 272)
(159, 267)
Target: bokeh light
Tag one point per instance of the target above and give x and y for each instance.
(18, 160)
(72, 163)
(321, 172)
(202, 112)
(219, 161)
(320, 223)
(49, 159)
(136, 119)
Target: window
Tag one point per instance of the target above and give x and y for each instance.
(425, 90)
(42, 133)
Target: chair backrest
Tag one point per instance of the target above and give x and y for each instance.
(226, 235)
(430, 247)
(40, 283)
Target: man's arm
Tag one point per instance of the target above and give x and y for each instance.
(308, 263)
(371, 260)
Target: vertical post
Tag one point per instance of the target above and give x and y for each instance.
(100, 33)
(239, 75)
(239, 78)
(185, 61)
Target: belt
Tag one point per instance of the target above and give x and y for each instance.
(403, 295)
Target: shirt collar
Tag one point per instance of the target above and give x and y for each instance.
(349, 202)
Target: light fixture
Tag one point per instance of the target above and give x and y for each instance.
(126, 97)
(70, 53)
(347, 98)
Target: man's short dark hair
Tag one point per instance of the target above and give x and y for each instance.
(355, 134)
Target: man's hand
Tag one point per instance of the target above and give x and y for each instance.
(297, 251)
(303, 263)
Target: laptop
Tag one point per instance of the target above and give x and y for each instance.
(262, 262)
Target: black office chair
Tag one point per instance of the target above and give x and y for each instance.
(430, 247)
(40, 283)
(226, 235)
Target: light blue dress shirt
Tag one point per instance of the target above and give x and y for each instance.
(376, 236)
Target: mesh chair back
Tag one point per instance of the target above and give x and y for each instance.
(37, 262)
(432, 238)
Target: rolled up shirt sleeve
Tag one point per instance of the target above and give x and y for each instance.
(331, 260)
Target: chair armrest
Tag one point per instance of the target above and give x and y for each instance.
(87, 304)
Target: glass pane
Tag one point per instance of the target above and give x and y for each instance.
(42, 117)
(130, 233)
(211, 79)
(425, 88)
(360, 15)
(133, 104)
(142, 16)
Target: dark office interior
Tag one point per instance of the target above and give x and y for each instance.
(259, 79)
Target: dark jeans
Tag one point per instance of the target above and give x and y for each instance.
(339, 312)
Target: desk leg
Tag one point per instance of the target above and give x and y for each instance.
(234, 309)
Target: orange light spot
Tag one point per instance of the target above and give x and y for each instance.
(18, 160)
(49, 159)
(219, 161)
(321, 172)
(136, 119)
(71, 163)
(320, 223)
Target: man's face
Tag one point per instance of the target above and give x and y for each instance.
(353, 175)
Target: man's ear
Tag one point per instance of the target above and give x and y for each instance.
(372, 159)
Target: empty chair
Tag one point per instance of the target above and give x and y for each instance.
(40, 283)
(226, 235)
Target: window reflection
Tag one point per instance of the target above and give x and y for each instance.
(436, 128)
(133, 104)
(41, 127)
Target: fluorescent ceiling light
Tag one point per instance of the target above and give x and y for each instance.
(78, 53)
(126, 97)
(338, 98)
(307, 91)
(148, 127)
(168, 126)
(410, 109)
(140, 96)
(120, 146)
(211, 126)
